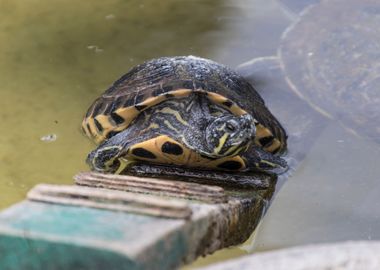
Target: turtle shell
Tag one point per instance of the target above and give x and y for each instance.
(177, 77)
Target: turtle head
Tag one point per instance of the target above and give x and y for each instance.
(105, 159)
(228, 135)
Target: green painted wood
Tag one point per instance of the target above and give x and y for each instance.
(36, 235)
(64, 237)
(24, 253)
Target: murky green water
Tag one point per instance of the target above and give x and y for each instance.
(55, 58)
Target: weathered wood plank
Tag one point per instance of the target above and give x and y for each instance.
(38, 235)
(154, 186)
(113, 200)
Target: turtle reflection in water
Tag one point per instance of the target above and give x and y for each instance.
(184, 111)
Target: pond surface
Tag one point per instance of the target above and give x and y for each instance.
(56, 58)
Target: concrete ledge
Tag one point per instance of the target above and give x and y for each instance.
(359, 255)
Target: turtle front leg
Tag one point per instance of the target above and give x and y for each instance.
(108, 156)
(105, 158)
(259, 160)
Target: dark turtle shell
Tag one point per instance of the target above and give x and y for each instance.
(173, 77)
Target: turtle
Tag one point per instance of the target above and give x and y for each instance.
(333, 64)
(184, 111)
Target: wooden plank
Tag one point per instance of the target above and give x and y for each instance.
(110, 200)
(40, 235)
(154, 186)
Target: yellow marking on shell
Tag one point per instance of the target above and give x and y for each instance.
(216, 98)
(222, 141)
(104, 121)
(236, 110)
(85, 129)
(175, 113)
(149, 102)
(88, 126)
(92, 127)
(219, 99)
(128, 114)
(150, 145)
(99, 136)
(169, 158)
(188, 158)
(180, 92)
(261, 132)
(274, 146)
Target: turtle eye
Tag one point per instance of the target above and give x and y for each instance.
(231, 126)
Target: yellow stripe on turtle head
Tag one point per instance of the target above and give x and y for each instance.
(222, 141)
